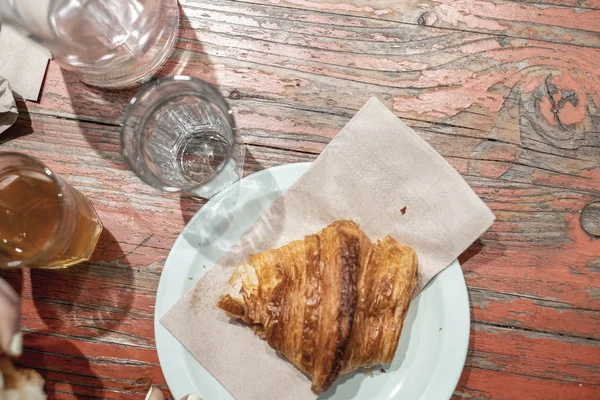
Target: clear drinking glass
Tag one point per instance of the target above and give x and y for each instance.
(178, 134)
(109, 43)
(44, 222)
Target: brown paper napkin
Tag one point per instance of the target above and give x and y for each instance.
(378, 172)
(23, 62)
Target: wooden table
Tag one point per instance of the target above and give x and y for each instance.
(508, 91)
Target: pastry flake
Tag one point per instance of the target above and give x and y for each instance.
(330, 303)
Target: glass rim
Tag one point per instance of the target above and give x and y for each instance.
(43, 168)
(153, 86)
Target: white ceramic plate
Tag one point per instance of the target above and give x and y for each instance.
(433, 344)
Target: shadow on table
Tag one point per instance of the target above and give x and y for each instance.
(61, 364)
(229, 217)
(190, 205)
(466, 372)
(98, 291)
(251, 164)
(82, 302)
(470, 252)
(188, 57)
(22, 127)
(481, 255)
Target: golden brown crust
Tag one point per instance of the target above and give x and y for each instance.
(330, 303)
(312, 300)
(350, 262)
(340, 256)
(385, 290)
(232, 307)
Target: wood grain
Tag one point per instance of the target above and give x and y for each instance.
(564, 22)
(507, 91)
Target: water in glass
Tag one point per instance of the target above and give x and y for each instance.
(178, 134)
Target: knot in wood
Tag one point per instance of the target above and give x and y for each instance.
(428, 18)
(234, 95)
(560, 107)
(590, 219)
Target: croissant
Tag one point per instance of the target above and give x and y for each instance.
(330, 303)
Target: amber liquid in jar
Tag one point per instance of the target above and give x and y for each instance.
(43, 224)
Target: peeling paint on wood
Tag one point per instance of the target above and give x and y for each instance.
(507, 91)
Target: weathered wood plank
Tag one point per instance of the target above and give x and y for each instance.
(88, 368)
(558, 272)
(532, 313)
(375, 52)
(535, 355)
(594, 4)
(572, 23)
(483, 384)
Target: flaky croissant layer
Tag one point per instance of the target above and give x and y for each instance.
(330, 303)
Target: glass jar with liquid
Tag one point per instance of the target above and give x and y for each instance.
(44, 222)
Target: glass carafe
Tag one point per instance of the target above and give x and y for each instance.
(109, 43)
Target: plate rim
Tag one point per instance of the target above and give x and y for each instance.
(452, 351)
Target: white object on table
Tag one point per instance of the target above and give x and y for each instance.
(378, 172)
(8, 108)
(434, 341)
